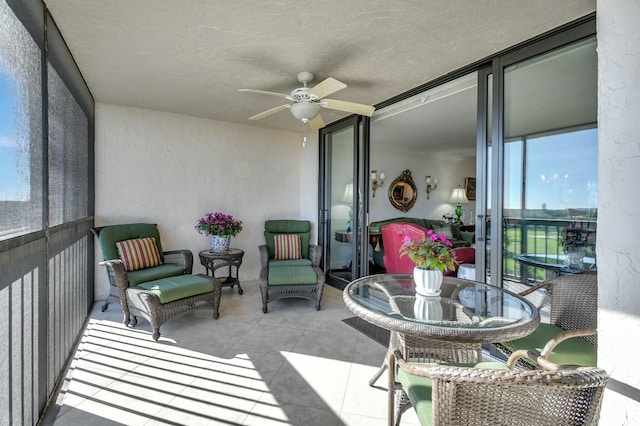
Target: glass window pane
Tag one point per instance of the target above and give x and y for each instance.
(550, 160)
(341, 198)
(20, 129)
(567, 180)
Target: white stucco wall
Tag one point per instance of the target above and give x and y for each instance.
(618, 243)
(171, 169)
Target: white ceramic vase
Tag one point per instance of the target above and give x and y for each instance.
(428, 281)
(220, 243)
(427, 308)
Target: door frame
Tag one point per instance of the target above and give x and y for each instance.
(359, 247)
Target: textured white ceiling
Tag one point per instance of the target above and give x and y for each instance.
(190, 57)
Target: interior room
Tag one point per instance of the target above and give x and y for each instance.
(161, 113)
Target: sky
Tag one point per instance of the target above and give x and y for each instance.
(560, 172)
(14, 163)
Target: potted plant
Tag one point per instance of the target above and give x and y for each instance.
(432, 256)
(221, 227)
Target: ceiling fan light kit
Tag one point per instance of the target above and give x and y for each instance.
(308, 101)
(305, 111)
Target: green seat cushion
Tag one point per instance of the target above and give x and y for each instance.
(574, 351)
(179, 287)
(418, 389)
(155, 273)
(289, 263)
(287, 275)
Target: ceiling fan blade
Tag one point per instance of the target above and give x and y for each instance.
(269, 112)
(326, 87)
(264, 92)
(348, 107)
(316, 123)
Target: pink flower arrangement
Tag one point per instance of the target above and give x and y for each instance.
(218, 224)
(432, 252)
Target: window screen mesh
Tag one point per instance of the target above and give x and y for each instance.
(68, 154)
(20, 129)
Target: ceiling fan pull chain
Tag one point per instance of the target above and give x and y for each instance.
(304, 134)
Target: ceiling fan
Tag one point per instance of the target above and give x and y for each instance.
(308, 101)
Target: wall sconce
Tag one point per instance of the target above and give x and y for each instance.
(377, 181)
(432, 184)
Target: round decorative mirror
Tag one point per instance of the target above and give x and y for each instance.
(403, 192)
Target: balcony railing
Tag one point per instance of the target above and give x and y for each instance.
(541, 237)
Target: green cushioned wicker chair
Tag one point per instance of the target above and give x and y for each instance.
(290, 266)
(573, 312)
(149, 282)
(492, 393)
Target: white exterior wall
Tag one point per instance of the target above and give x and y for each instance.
(618, 246)
(171, 169)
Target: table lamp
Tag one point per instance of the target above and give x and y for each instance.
(458, 196)
(347, 198)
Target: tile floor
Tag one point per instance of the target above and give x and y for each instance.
(292, 366)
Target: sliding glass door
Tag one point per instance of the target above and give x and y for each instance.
(342, 204)
(532, 155)
(544, 176)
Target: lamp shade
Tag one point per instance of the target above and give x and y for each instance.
(347, 197)
(458, 196)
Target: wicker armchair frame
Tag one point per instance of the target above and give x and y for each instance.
(558, 395)
(573, 307)
(182, 258)
(140, 302)
(306, 291)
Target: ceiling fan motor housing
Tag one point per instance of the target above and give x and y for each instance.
(302, 94)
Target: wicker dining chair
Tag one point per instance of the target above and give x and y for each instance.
(573, 312)
(496, 394)
(420, 349)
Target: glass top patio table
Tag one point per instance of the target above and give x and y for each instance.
(465, 311)
(556, 263)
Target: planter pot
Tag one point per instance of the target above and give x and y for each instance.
(574, 257)
(427, 281)
(427, 308)
(220, 243)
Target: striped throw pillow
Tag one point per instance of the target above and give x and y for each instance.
(287, 247)
(139, 253)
